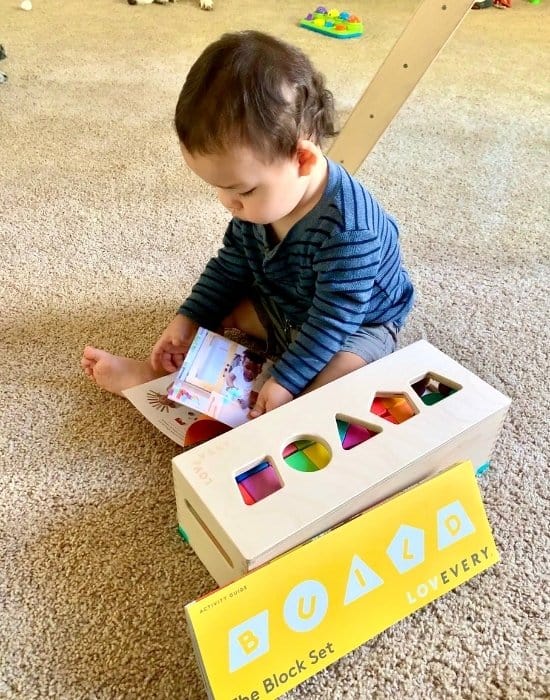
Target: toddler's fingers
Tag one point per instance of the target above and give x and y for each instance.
(155, 359)
(178, 345)
(258, 409)
(177, 359)
(167, 362)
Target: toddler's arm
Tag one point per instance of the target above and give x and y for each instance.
(222, 284)
(346, 266)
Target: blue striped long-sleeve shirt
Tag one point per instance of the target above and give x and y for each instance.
(337, 269)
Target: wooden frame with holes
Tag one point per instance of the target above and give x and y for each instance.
(232, 538)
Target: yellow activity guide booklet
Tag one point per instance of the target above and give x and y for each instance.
(265, 633)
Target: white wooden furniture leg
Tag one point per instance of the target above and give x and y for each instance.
(426, 34)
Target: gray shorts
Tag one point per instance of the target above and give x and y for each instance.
(369, 342)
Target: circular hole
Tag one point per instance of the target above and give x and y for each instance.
(307, 454)
(443, 7)
(371, 116)
(405, 65)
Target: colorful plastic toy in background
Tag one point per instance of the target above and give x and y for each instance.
(341, 25)
(500, 4)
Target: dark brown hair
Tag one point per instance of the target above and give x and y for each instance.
(252, 89)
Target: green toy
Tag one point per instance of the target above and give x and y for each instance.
(341, 25)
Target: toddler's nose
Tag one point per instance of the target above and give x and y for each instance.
(232, 203)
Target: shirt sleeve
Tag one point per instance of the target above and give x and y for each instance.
(222, 284)
(346, 266)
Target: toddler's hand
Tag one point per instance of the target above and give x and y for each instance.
(272, 395)
(172, 346)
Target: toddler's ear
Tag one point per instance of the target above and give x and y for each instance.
(308, 155)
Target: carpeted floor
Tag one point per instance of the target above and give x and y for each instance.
(103, 232)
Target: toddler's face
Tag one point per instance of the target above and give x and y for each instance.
(262, 193)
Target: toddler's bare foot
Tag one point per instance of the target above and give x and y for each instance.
(115, 373)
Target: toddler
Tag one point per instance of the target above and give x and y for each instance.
(310, 262)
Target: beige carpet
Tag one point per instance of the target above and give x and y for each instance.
(103, 232)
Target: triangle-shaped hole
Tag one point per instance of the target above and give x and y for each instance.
(353, 432)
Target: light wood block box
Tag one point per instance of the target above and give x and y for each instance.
(232, 538)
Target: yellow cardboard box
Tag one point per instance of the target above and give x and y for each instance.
(267, 632)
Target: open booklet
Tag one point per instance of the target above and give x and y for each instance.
(151, 400)
(219, 378)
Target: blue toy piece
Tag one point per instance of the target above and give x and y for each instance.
(483, 468)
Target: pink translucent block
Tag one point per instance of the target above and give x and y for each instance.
(355, 435)
(262, 483)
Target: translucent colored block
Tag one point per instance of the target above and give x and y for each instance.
(400, 409)
(318, 454)
(431, 398)
(342, 429)
(301, 462)
(289, 450)
(262, 483)
(302, 444)
(356, 435)
(247, 498)
(378, 407)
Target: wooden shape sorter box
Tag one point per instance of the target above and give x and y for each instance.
(232, 536)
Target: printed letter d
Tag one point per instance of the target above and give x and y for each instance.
(453, 524)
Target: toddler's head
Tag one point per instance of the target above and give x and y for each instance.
(248, 105)
(253, 90)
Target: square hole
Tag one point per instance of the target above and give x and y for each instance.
(258, 482)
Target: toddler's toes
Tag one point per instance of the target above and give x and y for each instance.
(92, 354)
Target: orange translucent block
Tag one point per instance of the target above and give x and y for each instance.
(394, 409)
(400, 409)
